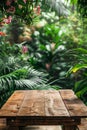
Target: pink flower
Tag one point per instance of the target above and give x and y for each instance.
(38, 10)
(8, 3)
(11, 9)
(24, 49)
(8, 20)
(25, 1)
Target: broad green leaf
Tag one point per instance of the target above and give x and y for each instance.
(78, 67)
(82, 92)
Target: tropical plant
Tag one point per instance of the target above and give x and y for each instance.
(81, 6)
(79, 70)
(17, 65)
(16, 72)
(48, 48)
(22, 78)
(60, 7)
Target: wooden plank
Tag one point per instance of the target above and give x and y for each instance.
(17, 95)
(33, 104)
(11, 107)
(54, 105)
(74, 105)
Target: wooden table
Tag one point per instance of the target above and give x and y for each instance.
(43, 107)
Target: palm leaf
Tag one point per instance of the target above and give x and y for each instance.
(25, 77)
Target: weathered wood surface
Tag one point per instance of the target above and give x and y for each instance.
(11, 107)
(44, 107)
(75, 106)
(54, 105)
(44, 103)
(34, 103)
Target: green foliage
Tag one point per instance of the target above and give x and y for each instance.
(22, 79)
(81, 6)
(81, 89)
(60, 7)
(60, 46)
(16, 72)
(49, 46)
(56, 46)
(77, 67)
(4, 94)
(15, 67)
(80, 71)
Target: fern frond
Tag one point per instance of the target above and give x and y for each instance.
(23, 78)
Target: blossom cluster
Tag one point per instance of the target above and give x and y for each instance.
(8, 8)
(24, 9)
(11, 5)
(3, 22)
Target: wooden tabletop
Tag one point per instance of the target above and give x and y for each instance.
(51, 103)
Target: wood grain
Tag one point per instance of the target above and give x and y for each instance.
(44, 107)
(54, 105)
(33, 104)
(12, 106)
(74, 105)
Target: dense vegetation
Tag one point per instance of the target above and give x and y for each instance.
(43, 46)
